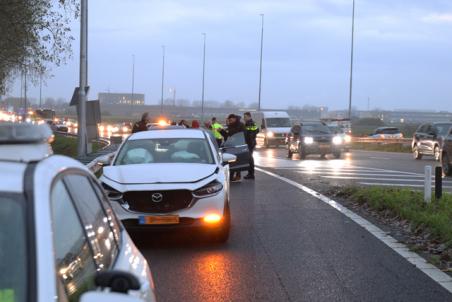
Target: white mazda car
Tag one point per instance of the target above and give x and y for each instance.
(169, 178)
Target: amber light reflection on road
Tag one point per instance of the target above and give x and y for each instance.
(213, 271)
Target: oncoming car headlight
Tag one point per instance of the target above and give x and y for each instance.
(270, 134)
(208, 190)
(347, 138)
(308, 140)
(337, 140)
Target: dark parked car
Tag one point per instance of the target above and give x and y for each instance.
(446, 155)
(313, 138)
(236, 145)
(429, 138)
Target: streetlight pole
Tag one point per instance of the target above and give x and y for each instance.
(163, 79)
(260, 65)
(133, 78)
(350, 95)
(82, 139)
(203, 78)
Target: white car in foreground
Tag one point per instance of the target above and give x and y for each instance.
(170, 178)
(59, 237)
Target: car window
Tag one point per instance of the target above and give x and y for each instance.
(276, 122)
(165, 150)
(315, 129)
(74, 259)
(442, 129)
(113, 220)
(13, 248)
(237, 139)
(94, 218)
(390, 131)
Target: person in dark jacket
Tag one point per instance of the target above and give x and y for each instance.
(234, 126)
(251, 131)
(142, 125)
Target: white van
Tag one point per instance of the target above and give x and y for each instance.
(274, 127)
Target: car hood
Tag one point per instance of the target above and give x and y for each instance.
(158, 173)
(279, 129)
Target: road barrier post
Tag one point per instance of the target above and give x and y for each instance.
(438, 183)
(428, 184)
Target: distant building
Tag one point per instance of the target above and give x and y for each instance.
(121, 98)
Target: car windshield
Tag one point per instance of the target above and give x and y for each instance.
(315, 129)
(443, 129)
(13, 248)
(278, 122)
(336, 129)
(165, 150)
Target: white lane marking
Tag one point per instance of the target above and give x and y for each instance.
(434, 273)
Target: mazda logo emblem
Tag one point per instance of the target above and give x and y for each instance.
(157, 197)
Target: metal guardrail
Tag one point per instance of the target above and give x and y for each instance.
(370, 140)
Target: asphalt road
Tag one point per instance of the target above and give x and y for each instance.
(285, 245)
(366, 168)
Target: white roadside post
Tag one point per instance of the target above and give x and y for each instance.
(428, 184)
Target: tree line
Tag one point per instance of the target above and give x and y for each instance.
(34, 35)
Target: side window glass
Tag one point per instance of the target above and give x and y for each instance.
(237, 139)
(94, 219)
(112, 219)
(74, 260)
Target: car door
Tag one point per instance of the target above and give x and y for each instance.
(421, 137)
(448, 144)
(236, 145)
(429, 138)
(74, 258)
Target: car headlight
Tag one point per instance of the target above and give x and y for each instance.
(112, 193)
(208, 190)
(337, 140)
(348, 139)
(308, 140)
(270, 134)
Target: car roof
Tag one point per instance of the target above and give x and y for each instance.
(168, 133)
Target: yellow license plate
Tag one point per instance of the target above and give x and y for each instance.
(167, 219)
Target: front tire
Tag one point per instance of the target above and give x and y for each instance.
(302, 153)
(416, 153)
(445, 164)
(337, 154)
(222, 235)
(289, 153)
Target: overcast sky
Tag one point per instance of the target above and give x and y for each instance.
(403, 51)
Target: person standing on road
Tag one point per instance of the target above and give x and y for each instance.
(141, 125)
(216, 128)
(251, 131)
(234, 126)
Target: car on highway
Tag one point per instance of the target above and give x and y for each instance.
(171, 178)
(386, 133)
(236, 145)
(446, 154)
(429, 138)
(274, 127)
(345, 136)
(60, 239)
(313, 138)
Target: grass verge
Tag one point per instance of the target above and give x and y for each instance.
(382, 147)
(435, 217)
(67, 145)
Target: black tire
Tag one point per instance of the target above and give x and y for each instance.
(222, 235)
(416, 153)
(337, 154)
(289, 153)
(266, 144)
(323, 156)
(437, 153)
(445, 164)
(302, 153)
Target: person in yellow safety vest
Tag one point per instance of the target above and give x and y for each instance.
(216, 128)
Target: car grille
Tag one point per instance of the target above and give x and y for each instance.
(148, 201)
(323, 139)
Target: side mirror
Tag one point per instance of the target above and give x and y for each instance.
(228, 158)
(117, 281)
(108, 297)
(104, 160)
